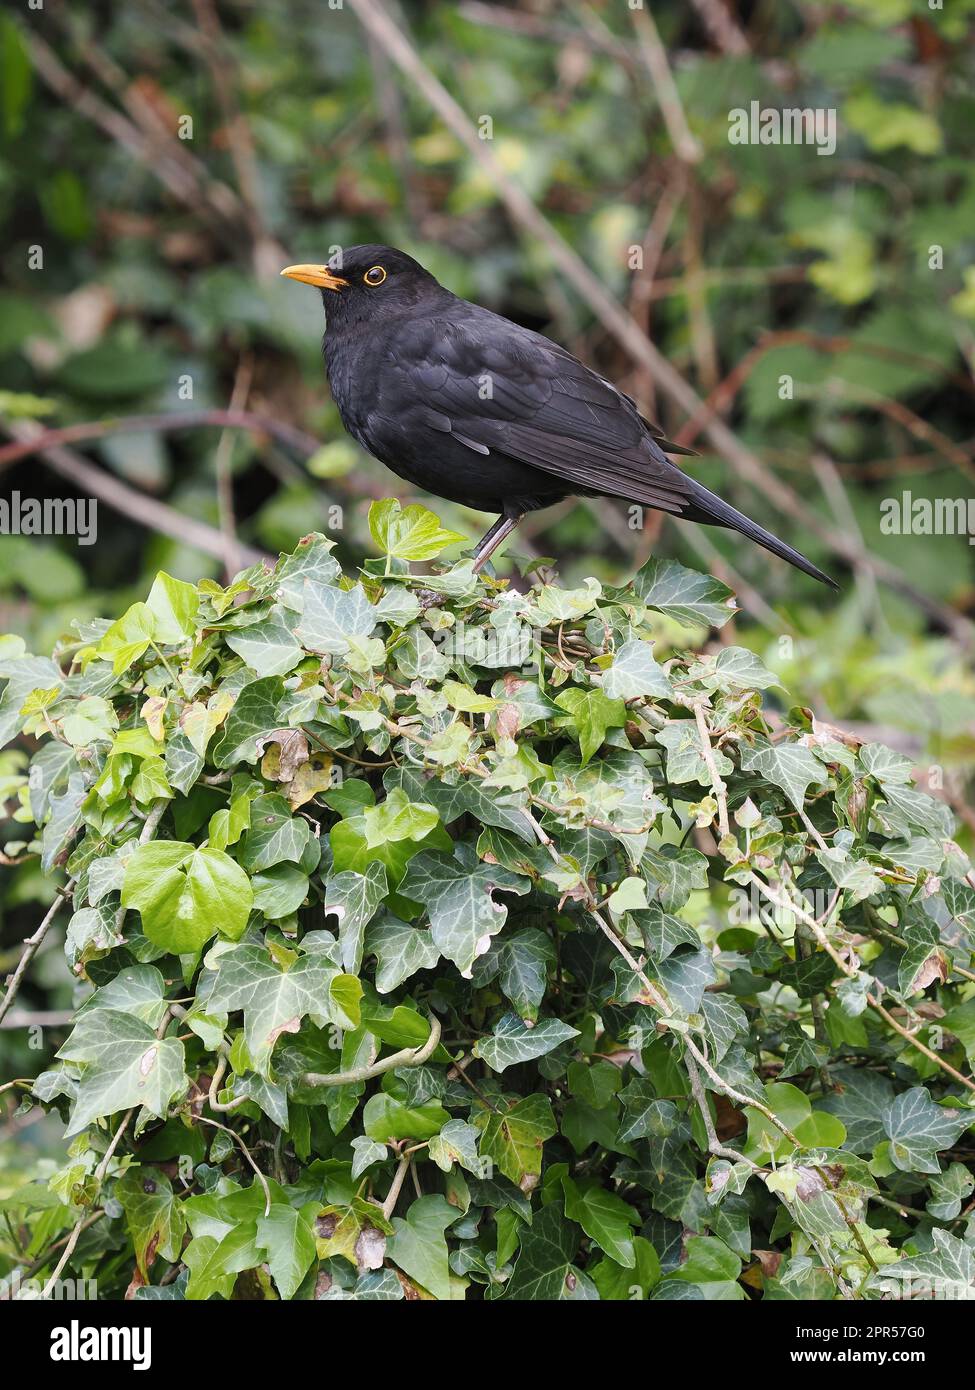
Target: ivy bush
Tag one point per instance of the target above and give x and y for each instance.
(439, 940)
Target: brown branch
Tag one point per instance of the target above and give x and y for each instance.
(147, 511)
(31, 947)
(32, 443)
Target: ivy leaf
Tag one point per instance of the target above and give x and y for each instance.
(674, 874)
(153, 1215)
(948, 1190)
(512, 1136)
(398, 818)
(947, 1270)
(125, 1064)
(684, 594)
(634, 673)
(645, 1115)
(311, 559)
(275, 834)
(137, 989)
(331, 618)
(253, 716)
(214, 1264)
(544, 1271)
(353, 899)
(280, 890)
(861, 1101)
(408, 533)
(685, 754)
(460, 901)
(513, 1041)
(790, 766)
(400, 951)
(128, 638)
(185, 894)
(274, 1001)
(713, 1267)
(268, 647)
(605, 1218)
(418, 1246)
(591, 714)
(924, 961)
(456, 1143)
(387, 1119)
(523, 961)
(287, 1237)
(174, 606)
(616, 1283)
(918, 1128)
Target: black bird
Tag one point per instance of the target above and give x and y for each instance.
(474, 408)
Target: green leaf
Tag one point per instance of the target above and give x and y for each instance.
(456, 1143)
(512, 1136)
(634, 673)
(523, 961)
(153, 1215)
(268, 647)
(400, 951)
(332, 618)
(275, 836)
(544, 1271)
(591, 715)
(386, 1119)
(460, 901)
(946, 1271)
(684, 594)
(513, 1041)
(408, 533)
(254, 714)
(949, 1190)
(287, 1238)
(918, 1129)
(418, 1246)
(174, 606)
(713, 1267)
(790, 766)
(604, 1217)
(128, 639)
(125, 1064)
(185, 894)
(274, 1001)
(617, 1283)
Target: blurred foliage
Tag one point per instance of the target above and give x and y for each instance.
(160, 259)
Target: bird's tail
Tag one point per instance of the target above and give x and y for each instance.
(709, 509)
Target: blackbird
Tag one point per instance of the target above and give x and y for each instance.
(474, 408)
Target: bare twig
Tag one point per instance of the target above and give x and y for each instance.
(31, 946)
(654, 56)
(147, 511)
(221, 464)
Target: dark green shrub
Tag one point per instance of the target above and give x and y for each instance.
(453, 939)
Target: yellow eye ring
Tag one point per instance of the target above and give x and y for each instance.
(375, 275)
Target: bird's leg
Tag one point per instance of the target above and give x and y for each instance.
(488, 544)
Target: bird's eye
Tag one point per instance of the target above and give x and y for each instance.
(375, 276)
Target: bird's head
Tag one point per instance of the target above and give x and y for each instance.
(364, 282)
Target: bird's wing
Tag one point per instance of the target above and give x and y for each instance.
(499, 388)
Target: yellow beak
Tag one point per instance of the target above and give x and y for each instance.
(318, 275)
